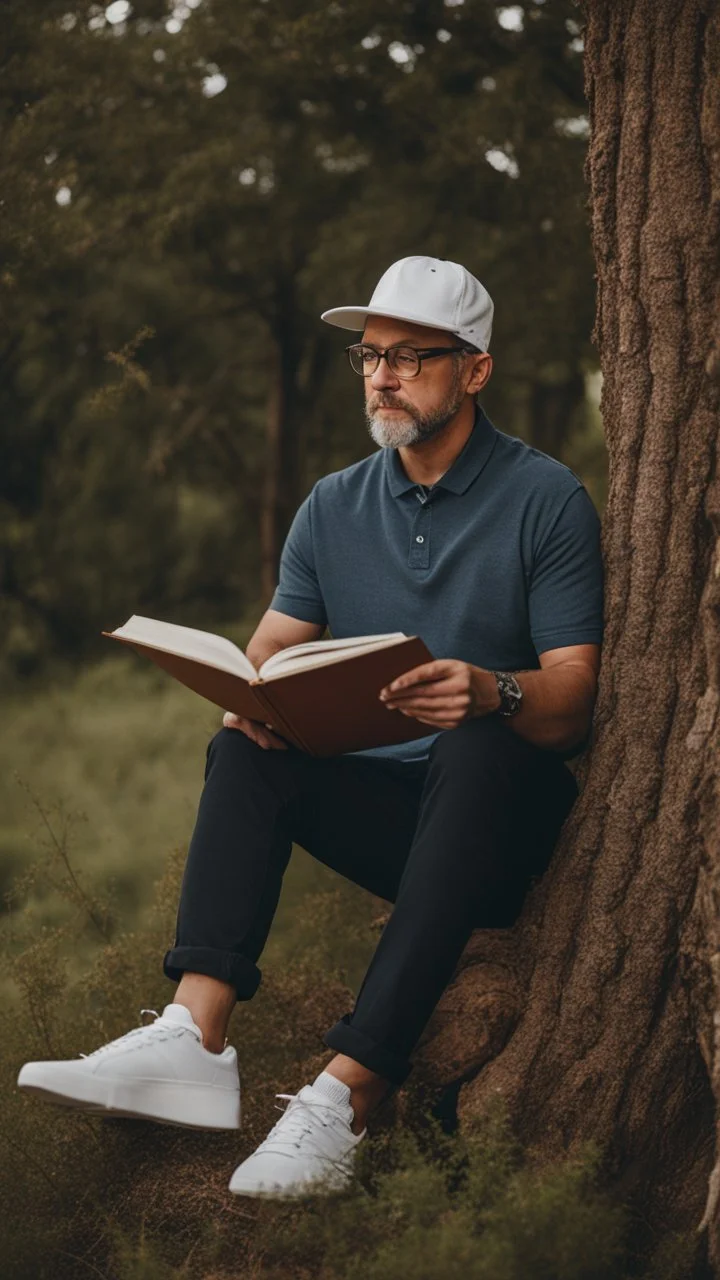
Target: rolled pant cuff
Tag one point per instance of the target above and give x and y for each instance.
(226, 966)
(345, 1038)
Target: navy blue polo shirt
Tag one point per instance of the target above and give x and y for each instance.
(498, 561)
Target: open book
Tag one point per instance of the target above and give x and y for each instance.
(321, 696)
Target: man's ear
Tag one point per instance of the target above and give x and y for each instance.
(481, 369)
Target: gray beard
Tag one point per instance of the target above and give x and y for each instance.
(415, 426)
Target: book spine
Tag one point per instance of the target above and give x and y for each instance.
(275, 718)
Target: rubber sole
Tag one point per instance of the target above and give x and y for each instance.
(188, 1105)
(285, 1194)
(295, 1191)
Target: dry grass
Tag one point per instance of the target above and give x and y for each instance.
(84, 1197)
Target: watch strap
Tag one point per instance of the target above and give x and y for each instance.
(510, 693)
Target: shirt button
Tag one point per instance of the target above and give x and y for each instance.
(419, 538)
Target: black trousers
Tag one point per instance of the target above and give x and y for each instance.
(453, 842)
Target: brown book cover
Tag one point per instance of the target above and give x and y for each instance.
(335, 708)
(324, 710)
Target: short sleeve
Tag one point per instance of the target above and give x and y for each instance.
(298, 591)
(566, 584)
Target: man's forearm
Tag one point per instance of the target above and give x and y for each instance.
(557, 705)
(259, 653)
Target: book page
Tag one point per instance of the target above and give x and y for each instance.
(318, 653)
(187, 642)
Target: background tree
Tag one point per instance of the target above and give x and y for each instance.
(185, 190)
(596, 1017)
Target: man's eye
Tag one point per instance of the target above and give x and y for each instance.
(368, 355)
(404, 358)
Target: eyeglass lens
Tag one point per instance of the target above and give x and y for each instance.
(403, 361)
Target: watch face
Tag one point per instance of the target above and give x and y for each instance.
(510, 693)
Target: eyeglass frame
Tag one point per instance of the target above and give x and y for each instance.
(422, 353)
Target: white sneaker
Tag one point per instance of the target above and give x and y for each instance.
(158, 1072)
(309, 1151)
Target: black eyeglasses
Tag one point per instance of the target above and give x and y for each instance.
(404, 362)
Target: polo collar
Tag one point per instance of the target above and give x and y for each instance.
(466, 467)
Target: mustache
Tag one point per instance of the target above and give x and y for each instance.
(381, 401)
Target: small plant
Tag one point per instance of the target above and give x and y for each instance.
(128, 1200)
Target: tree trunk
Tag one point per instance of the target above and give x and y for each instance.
(297, 372)
(280, 492)
(596, 1015)
(552, 410)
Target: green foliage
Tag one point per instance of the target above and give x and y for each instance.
(154, 316)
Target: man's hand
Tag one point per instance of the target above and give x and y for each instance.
(443, 693)
(256, 730)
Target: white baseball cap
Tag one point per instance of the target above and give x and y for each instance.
(429, 291)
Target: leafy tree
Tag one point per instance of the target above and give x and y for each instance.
(192, 191)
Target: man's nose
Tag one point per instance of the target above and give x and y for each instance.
(384, 377)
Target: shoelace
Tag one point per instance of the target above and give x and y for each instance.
(297, 1121)
(164, 1032)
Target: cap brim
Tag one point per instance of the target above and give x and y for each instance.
(356, 317)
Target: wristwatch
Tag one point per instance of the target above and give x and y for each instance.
(510, 693)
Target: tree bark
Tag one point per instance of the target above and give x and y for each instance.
(597, 1016)
(280, 491)
(298, 368)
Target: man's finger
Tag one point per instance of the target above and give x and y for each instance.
(428, 671)
(410, 705)
(436, 689)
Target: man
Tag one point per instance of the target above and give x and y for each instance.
(489, 550)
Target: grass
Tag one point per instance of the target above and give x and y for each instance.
(100, 781)
(128, 1200)
(109, 763)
